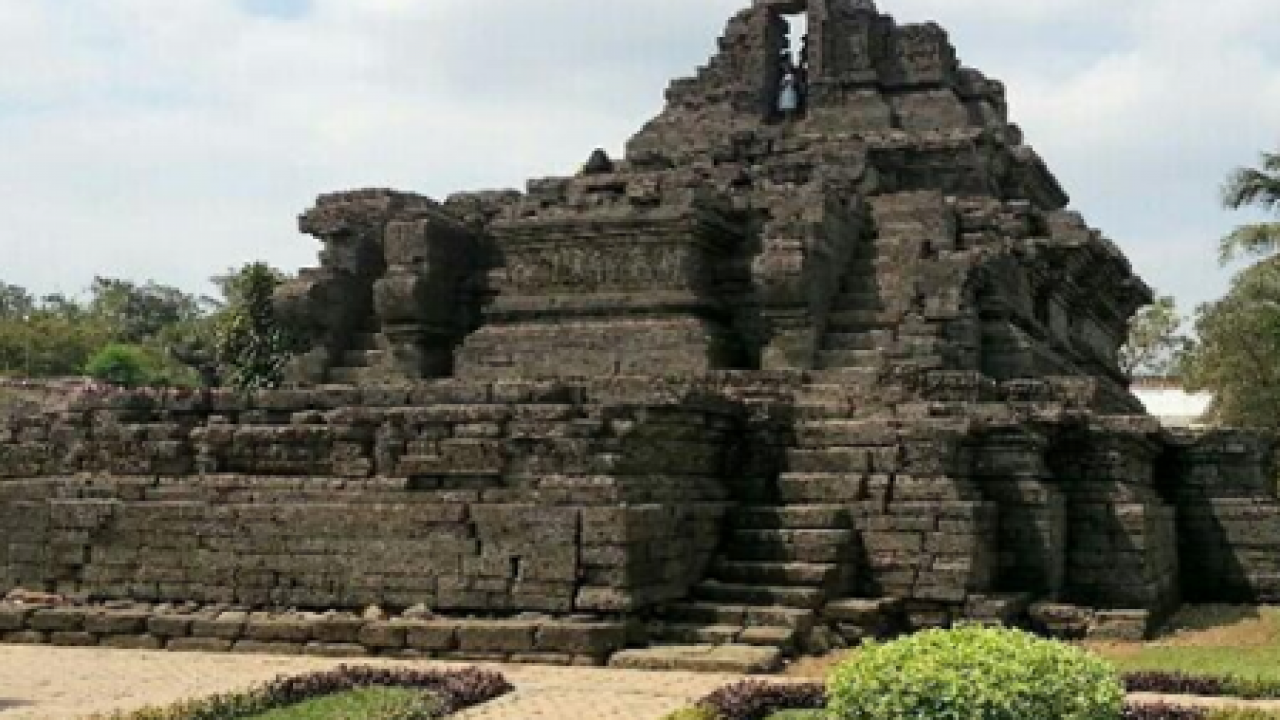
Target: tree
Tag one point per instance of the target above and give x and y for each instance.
(58, 335)
(251, 345)
(1156, 345)
(140, 313)
(49, 344)
(1237, 357)
(16, 303)
(1259, 188)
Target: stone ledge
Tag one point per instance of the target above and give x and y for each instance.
(549, 641)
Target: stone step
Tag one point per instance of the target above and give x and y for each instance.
(816, 409)
(829, 359)
(862, 380)
(669, 633)
(845, 459)
(811, 546)
(840, 432)
(863, 611)
(855, 383)
(857, 340)
(792, 517)
(776, 573)
(680, 633)
(710, 613)
(784, 536)
(822, 487)
(858, 319)
(736, 659)
(348, 375)
(804, 598)
(363, 358)
(785, 639)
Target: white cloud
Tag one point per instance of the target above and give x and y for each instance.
(165, 140)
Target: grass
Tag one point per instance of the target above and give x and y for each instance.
(364, 704)
(1213, 640)
(1217, 640)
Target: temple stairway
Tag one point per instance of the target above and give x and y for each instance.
(789, 552)
(778, 568)
(360, 363)
(858, 330)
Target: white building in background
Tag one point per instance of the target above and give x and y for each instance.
(1174, 406)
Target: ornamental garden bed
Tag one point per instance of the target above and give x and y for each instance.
(352, 693)
(983, 674)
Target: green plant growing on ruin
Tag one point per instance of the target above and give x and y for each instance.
(252, 346)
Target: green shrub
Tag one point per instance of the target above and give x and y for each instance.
(975, 673)
(366, 703)
(119, 364)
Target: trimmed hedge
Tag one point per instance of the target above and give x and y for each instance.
(366, 704)
(976, 673)
(456, 690)
(1162, 712)
(755, 700)
(1179, 683)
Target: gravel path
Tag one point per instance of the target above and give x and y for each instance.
(63, 683)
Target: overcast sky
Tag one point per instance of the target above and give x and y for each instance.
(171, 139)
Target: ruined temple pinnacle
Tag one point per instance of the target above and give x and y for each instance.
(792, 7)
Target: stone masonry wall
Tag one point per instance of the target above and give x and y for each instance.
(1228, 515)
(475, 497)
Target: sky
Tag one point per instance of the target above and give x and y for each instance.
(154, 139)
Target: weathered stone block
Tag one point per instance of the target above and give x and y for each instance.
(26, 637)
(267, 629)
(502, 636)
(73, 639)
(432, 636)
(199, 644)
(258, 647)
(383, 635)
(581, 638)
(132, 642)
(322, 649)
(14, 618)
(57, 620)
(226, 625)
(116, 622)
(170, 626)
(338, 630)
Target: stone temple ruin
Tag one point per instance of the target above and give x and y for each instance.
(788, 375)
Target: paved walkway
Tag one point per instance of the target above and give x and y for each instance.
(596, 694)
(43, 683)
